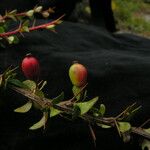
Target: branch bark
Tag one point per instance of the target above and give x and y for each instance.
(65, 107)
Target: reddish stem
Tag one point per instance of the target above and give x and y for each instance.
(43, 26)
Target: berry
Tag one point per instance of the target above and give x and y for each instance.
(30, 67)
(78, 74)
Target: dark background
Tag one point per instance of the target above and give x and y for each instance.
(118, 72)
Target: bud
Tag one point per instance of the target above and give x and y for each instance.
(78, 74)
(30, 67)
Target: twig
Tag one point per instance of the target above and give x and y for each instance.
(43, 26)
(44, 102)
(143, 124)
(79, 92)
(92, 134)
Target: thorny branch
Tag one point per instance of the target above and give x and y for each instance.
(43, 26)
(65, 107)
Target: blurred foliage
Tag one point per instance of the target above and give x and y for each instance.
(132, 16)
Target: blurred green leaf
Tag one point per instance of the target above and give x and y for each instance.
(86, 106)
(16, 39)
(25, 108)
(76, 112)
(30, 84)
(39, 93)
(54, 112)
(145, 145)
(2, 30)
(30, 13)
(103, 126)
(147, 130)
(13, 12)
(40, 123)
(124, 126)
(25, 29)
(102, 109)
(10, 39)
(75, 91)
(17, 83)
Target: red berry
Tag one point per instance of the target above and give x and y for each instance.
(78, 74)
(30, 67)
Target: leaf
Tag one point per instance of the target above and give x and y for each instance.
(76, 112)
(75, 91)
(16, 40)
(51, 27)
(86, 106)
(30, 84)
(25, 29)
(39, 93)
(40, 123)
(145, 145)
(2, 30)
(147, 130)
(13, 12)
(38, 9)
(30, 13)
(54, 112)
(103, 126)
(102, 109)
(26, 23)
(17, 83)
(12, 17)
(25, 108)
(59, 98)
(124, 126)
(10, 39)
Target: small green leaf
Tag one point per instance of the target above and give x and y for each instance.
(30, 13)
(103, 126)
(145, 144)
(30, 84)
(2, 30)
(54, 112)
(147, 130)
(59, 98)
(124, 126)
(86, 106)
(13, 12)
(102, 109)
(40, 123)
(50, 27)
(25, 29)
(17, 83)
(25, 108)
(12, 17)
(10, 39)
(45, 14)
(75, 91)
(39, 93)
(26, 23)
(38, 9)
(76, 112)
(16, 40)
